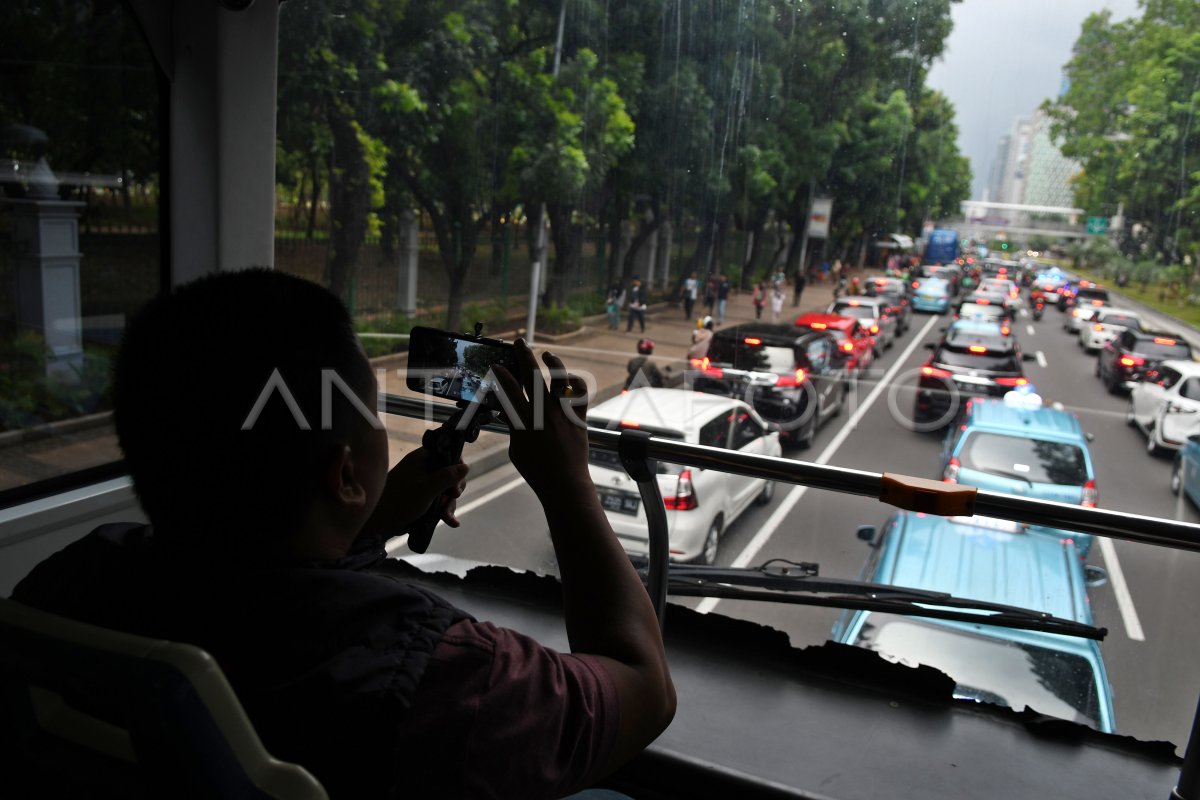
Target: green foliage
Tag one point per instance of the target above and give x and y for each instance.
(28, 397)
(393, 323)
(559, 319)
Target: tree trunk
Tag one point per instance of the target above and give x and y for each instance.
(757, 230)
(315, 170)
(564, 254)
(644, 232)
(349, 200)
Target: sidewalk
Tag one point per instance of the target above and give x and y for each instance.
(599, 354)
(596, 352)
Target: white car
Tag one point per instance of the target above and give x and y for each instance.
(1167, 407)
(1106, 325)
(1079, 316)
(1005, 287)
(701, 504)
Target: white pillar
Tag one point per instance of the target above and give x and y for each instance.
(409, 257)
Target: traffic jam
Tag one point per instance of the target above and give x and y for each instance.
(1008, 375)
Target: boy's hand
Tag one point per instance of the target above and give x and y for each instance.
(411, 488)
(551, 452)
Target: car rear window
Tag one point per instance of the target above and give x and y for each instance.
(733, 351)
(991, 361)
(1022, 458)
(1092, 294)
(1120, 319)
(964, 340)
(1163, 348)
(859, 312)
(977, 311)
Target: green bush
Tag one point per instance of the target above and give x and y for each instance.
(559, 319)
(28, 397)
(393, 323)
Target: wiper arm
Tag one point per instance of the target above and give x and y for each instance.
(780, 581)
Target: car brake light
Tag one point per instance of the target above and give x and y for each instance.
(1097, 302)
(983, 301)
(791, 380)
(848, 347)
(1164, 341)
(934, 372)
(916, 285)
(698, 363)
(818, 326)
(714, 372)
(1011, 381)
(752, 341)
(951, 473)
(1005, 331)
(684, 498)
(854, 302)
(977, 348)
(1097, 327)
(1090, 496)
(1132, 361)
(874, 329)
(1075, 313)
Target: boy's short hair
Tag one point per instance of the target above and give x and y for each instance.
(193, 364)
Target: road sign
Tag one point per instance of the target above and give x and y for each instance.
(1097, 225)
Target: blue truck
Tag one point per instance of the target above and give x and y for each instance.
(942, 247)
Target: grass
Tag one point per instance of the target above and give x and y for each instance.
(1179, 309)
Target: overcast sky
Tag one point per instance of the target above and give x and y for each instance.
(1003, 58)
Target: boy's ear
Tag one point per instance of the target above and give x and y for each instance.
(343, 478)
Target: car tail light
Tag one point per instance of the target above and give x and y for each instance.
(983, 301)
(714, 372)
(933, 372)
(951, 473)
(628, 423)
(1011, 381)
(977, 348)
(1097, 327)
(791, 380)
(816, 326)
(753, 342)
(1158, 340)
(684, 498)
(874, 329)
(1097, 302)
(1005, 331)
(1090, 496)
(848, 347)
(1132, 361)
(1075, 312)
(698, 363)
(916, 285)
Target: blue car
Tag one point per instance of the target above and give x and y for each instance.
(992, 561)
(1185, 475)
(1018, 445)
(931, 294)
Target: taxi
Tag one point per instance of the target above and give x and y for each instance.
(931, 294)
(1018, 445)
(988, 561)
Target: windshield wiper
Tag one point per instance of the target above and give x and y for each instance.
(781, 581)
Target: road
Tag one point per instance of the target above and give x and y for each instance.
(1149, 604)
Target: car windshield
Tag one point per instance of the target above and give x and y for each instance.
(587, 175)
(988, 667)
(1024, 458)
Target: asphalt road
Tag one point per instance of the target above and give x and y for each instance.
(1149, 651)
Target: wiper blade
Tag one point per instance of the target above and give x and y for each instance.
(780, 581)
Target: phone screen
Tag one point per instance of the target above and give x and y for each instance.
(456, 367)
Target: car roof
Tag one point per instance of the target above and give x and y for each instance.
(993, 414)
(958, 555)
(677, 410)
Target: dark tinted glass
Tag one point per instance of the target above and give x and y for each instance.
(992, 362)
(1034, 460)
(1149, 347)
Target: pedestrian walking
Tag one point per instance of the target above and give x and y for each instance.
(777, 296)
(835, 271)
(710, 294)
(637, 305)
(691, 289)
(798, 287)
(722, 297)
(759, 299)
(613, 306)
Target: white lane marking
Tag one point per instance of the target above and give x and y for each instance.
(1041, 357)
(783, 509)
(1133, 626)
(401, 541)
(1030, 329)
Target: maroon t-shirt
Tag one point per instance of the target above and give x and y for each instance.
(498, 715)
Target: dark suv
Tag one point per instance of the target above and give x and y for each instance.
(795, 380)
(1134, 355)
(971, 360)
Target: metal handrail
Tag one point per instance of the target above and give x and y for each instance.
(1111, 524)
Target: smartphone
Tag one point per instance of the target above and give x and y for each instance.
(457, 366)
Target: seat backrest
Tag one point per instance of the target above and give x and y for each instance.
(100, 713)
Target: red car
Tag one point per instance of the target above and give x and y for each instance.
(851, 336)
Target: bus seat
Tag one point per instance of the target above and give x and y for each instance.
(90, 712)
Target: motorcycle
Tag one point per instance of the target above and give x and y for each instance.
(1038, 301)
